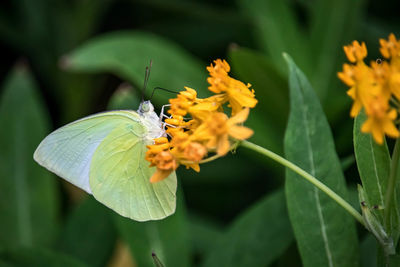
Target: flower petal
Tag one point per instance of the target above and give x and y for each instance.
(240, 132)
(223, 145)
(355, 109)
(160, 175)
(390, 129)
(240, 117)
(378, 135)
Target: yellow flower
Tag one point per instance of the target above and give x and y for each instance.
(363, 85)
(380, 120)
(381, 74)
(166, 164)
(190, 154)
(388, 77)
(184, 100)
(394, 84)
(195, 152)
(347, 76)
(198, 126)
(372, 87)
(159, 155)
(180, 139)
(176, 121)
(218, 127)
(355, 52)
(160, 144)
(177, 130)
(239, 95)
(206, 106)
(391, 47)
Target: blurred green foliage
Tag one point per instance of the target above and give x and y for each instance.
(83, 56)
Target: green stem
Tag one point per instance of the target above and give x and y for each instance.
(391, 183)
(306, 176)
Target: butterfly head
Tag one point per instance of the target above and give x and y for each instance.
(146, 107)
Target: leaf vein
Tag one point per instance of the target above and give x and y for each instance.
(312, 169)
(376, 173)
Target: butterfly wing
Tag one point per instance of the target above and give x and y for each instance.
(69, 152)
(119, 178)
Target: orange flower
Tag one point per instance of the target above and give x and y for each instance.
(184, 100)
(180, 139)
(391, 47)
(380, 121)
(160, 144)
(165, 163)
(176, 121)
(195, 152)
(372, 86)
(363, 85)
(205, 126)
(355, 52)
(347, 76)
(203, 109)
(381, 74)
(239, 94)
(218, 128)
(192, 154)
(394, 84)
(158, 155)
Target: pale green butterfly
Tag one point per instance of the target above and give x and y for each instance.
(104, 154)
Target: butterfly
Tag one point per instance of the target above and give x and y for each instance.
(104, 154)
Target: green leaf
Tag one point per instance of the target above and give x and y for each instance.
(28, 193)
(353, 197)
(373, 225)
(124, 98)
(325, 233)
(394, 218)
(126, 54)
(91, 226)
(277, 30)
(257, 237)
(22, 256)
(373, 162)
(166, 238)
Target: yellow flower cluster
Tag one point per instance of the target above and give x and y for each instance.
(374, 87)
(198, 126)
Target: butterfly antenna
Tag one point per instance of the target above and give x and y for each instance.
(156, 260)
(160, 88)
(146, 78)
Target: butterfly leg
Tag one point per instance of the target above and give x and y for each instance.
(162, 115)
(164, 124)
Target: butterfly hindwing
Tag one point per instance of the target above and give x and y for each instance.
(119, 178)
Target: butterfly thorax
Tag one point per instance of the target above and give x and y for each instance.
(150, 120)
